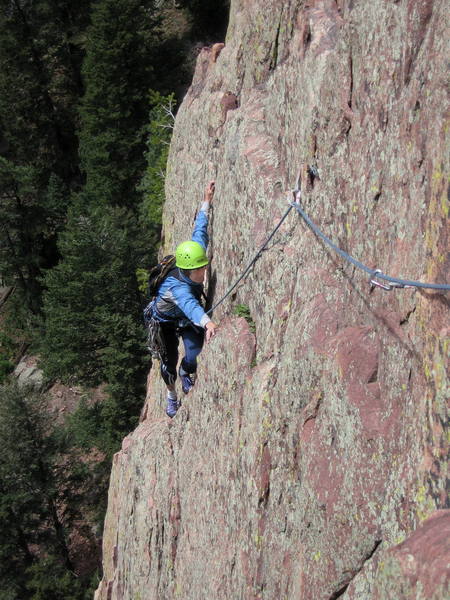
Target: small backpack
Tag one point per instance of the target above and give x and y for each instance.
(158, 273)
(156, 276)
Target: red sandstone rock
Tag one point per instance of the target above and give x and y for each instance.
(307, 450)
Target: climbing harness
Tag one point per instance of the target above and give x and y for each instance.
(374, 274)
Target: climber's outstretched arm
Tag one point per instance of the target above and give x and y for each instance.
(200, 233)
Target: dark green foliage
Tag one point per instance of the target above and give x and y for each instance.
(91, 304)
(242, 310)
(118, 75)
(160, 129)
(39, 81)
(101, 426)
(39, 496)
(84, 425)
(88, 429)
(39, 89)
(47, 579)
(210, 18)
(93, 325)
(5, 368)
(31, 214)
(6, 356)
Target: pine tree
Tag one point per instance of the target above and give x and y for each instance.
(92, 305)
(161, 121)
(31, 214)
(118, 75)
(31, 486)
(40, 83)
(40, 59)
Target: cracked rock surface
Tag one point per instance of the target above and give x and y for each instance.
(310, 460)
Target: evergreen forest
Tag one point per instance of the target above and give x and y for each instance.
(88, 94)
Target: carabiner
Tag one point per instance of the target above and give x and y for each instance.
(374, 283)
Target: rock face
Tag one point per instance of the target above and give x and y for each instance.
(310, 460)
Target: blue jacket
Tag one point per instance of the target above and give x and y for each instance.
(178, 298)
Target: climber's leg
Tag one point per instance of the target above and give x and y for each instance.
(193, 339)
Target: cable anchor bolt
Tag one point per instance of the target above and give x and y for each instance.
(296, 193)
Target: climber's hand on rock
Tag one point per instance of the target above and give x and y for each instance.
(209, 192)
(211, 329)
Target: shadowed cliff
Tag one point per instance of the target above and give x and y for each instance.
(310, 461)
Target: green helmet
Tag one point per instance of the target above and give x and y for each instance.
(190, 255)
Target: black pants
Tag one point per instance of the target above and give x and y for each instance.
(193, 339)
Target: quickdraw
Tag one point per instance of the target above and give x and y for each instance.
(155, 340)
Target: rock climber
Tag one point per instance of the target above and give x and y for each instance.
(178, 309)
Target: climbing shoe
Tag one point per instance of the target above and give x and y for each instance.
(187, 381)
(173, 404)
